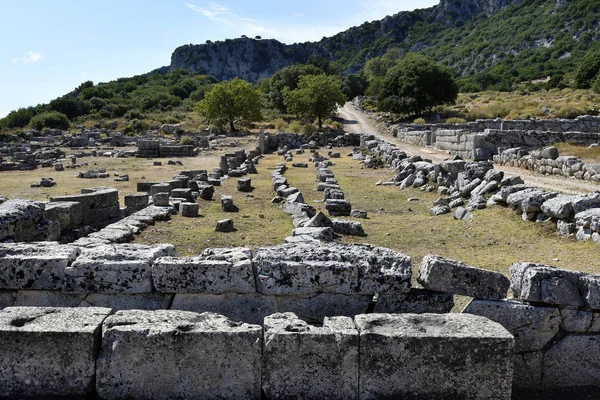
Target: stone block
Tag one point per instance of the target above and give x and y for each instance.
(291, 207)
(249, 308)
(572, 362)
(182, 194)
(49, 352)
(68, 214)
(338, 207)
(315, 307)
(161, 199)
(434, 356)
(227, 204)
(136, 201)
(225, 225)
(47, 298)
(589, 286)
(160, 188)
(533, 327)
(304, 361)
(417, 301)
(38, 265)
(545, 284)
(189, 210)
(244, 185)
(7, 298)
(128, 301)
(178, 354)
(320, 233)
(449, 276)
(96, 216)
(344, 227)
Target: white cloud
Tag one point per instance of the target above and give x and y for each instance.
(378, 9)
(30, 58)
(221, 13)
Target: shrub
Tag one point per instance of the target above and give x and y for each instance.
(337, 125)
(50, 119)
(187, 141)
(216, 128)
(308, 129)
(455, 120)
(419, 121)
(295, 127)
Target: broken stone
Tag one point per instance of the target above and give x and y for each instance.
(338, 207)
(244, 185)
(344, 227)
(189, 210)
(225, 225)
(417, 301)
(358, 214)
(227, 204)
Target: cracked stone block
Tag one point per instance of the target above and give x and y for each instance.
(576, 321)
(116, 268)
(249, 308)
(168, 354)
(324, 234)
(532, 326)
(434, 356)
(314, 308)
(304, 361)
(39, 266)
(572, 362)
(590, 290)
(189, 210)
(338, 207)
(449, 276)
(527, 370)
(198, 275)
(545, 284)
(417, 301)
(49, 351)
(69, 214)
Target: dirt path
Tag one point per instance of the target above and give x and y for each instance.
(358, 122)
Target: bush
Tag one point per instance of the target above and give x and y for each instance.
(18, 118)
(280, 125)
(216, 128)
(187, 141)
(295, 127)
(308, 129)
(337, 125)
(419, 121)
(50, 119)
(455, 120)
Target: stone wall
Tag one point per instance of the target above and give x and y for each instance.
(287, 141)
(154, 148)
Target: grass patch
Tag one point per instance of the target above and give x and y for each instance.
(591, 155)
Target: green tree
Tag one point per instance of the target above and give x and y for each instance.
(50, 119)
(231, 101)
(355, 85)
(316, 96)
(587, 70)
(288, 77)
(17, 118)
(417, 84)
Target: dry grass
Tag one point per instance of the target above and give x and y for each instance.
(590, 155)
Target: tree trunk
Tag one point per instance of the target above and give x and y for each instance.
(231, 127)
(320, 123)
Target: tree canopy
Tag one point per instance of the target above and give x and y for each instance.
(230, 101)
(587, 71)
(416, 84)
(316, 96)
(288, 77)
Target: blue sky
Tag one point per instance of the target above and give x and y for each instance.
(49, 47)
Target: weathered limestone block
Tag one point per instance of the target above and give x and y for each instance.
(449, 276)
(117, 268)
(206, 191)
(417, 301)
(572, 362)
(47, 298)
(49, 351)
(304, 361)
(545, 284)
(161, 199)
(244, 184)
(576, 321)
(320, 220)
(38, 265)
(315, 307)
(189, 210)
(303, 268)
(345, 227)
(182, 194)
(198, 275)
(136, 201)
(225, 225)
(178, 354)
(7, 298)
(160, 188)
(533, 327)
(418, 356)
(320, 233)
(128, 301)
(290, 207)
(23, 221)
(227, 204)
(338, 207)
(68, 214)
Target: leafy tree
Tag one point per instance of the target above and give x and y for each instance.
(50, 119)
(18, 118)
(316, 96)
(417, 84)
(288, 77)
(375, 70)
(355, 85)
(72, 107)
(587, 71)
(231, 101)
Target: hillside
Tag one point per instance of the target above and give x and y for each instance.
(513, 39)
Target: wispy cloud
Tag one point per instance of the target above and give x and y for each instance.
(220, 13)
(30, 58)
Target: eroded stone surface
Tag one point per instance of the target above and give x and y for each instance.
(571, 362)
(464, 356)
(304, 361)
(314, 308)
(450, 276)
(417, 301)
(48, 351)
(178, 354)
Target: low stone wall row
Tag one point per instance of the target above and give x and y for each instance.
(66, 352)
(287, 140)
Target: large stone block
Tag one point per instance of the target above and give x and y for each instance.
(68, 214)
(49, 352)
(444, 275)
(315, 307)
(35, 265)
(434, 356)
(117, 268)
(178, 354)
(128, 301)
(533, 327)
(47, 298)
(249, 308)
(572, 362)
(545, 284)
(304, 361)
(417, 301)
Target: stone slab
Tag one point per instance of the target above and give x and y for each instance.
(49, 351)
(572, 362)
(304, 361)
(178, 354)
(434, 356)
(417, 301)
(314, 308)
(128, 301)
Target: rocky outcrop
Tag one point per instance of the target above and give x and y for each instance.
(451, 11)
